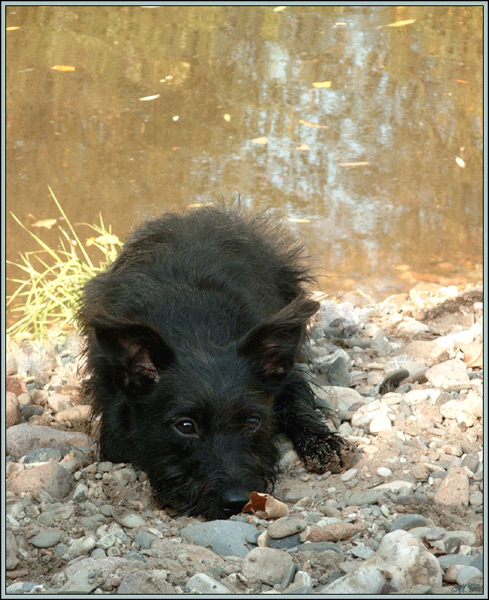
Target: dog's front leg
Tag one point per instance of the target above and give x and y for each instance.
(320, 449)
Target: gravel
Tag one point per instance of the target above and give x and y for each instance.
(398, 378)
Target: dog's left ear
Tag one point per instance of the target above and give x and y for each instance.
(272, 346)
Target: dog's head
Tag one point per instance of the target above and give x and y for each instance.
(201, 417)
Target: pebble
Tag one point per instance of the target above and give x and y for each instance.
(266, 565)
(285, 526)
(222, 537)
(45, 538)
(407, 522)
(152, 582)
(201, 583)
(454, 488)
(130, 520)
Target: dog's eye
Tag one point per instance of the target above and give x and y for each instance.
(253, 422)
(185, 426)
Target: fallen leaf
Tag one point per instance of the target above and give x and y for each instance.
(472, 354)
(147, 98)
(322, 84)
(334, 532)
(310, 124)
(260, 140)
(47, 223)
(353, 164)
(460, 162)
(13, 28)
(63, 68)
(227, 117)
(401, 23)
(267, 504)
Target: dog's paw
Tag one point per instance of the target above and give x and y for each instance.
(327, 452)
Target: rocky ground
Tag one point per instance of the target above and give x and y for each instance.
(404, 381)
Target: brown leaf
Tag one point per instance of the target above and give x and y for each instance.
(267, 504)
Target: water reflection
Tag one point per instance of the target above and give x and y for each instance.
(369, 161)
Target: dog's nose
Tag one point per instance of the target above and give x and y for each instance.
(234, 500)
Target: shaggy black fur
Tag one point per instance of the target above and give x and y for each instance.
(192, 334)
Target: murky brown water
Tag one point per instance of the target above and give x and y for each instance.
(379, 166)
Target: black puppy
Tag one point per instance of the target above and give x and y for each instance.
(192, 334)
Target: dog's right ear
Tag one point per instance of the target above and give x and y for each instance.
(138, 352)
(272, 346)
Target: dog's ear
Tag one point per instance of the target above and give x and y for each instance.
(138, 352)
(272, 346)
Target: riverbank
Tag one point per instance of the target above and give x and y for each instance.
(401, 378)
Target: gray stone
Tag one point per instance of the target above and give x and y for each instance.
(222, 537)
(448, 560)
(457, 538)
(468, 573)
(43, 455)
(319, 547)
(286, 526)
(82, 545)
(292, 490)
(45, 538)
(266, 565)
(365, 497)
(23, 438)
(12, 559)
(128, 519)
(407, 522)
(144, 539)
(201, 583)
(289, 541)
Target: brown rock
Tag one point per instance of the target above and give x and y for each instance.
(12, 410)
(15, 385)
(454, 489)
(49, 477)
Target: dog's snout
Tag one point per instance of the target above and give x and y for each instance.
(234, 500)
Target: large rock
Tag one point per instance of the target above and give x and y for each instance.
(50, 477)
(401, 561)
(22, 439)
(12, 410)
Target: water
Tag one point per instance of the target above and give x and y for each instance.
(378, 167)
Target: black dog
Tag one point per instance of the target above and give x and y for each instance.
(192, 335)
